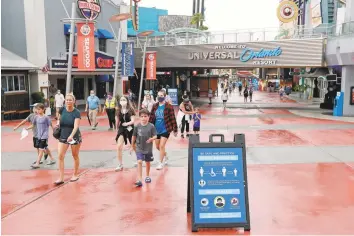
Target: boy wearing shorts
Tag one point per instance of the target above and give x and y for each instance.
(144, 135)
(42, 123)
(30, 119)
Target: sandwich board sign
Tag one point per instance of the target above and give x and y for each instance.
(218, 187)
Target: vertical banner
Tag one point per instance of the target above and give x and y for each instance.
(173, 93)
(86, 46)
(127, 59)
(150, 65)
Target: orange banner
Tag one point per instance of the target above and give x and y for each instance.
(86, 46)
(151, 65)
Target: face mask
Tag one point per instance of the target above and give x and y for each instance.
(123, 103)
(161, 99)
(109, 97)
(92, 94)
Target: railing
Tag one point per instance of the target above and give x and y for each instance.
(249, 35)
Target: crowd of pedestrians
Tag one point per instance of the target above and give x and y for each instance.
(157, 121)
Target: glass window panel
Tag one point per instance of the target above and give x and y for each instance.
(22, 83)
(16, 83)
(3, 83)
(10, 83)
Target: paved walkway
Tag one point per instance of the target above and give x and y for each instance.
(300, 171)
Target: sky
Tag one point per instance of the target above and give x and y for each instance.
(223, 15)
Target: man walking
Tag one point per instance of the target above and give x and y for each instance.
(93, 106)
(59, 102)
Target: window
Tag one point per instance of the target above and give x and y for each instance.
(67, 42)
(13, 83)
(102, 45)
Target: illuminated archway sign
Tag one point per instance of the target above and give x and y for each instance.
(89, 9)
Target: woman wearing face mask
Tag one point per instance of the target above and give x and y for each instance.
(110, 108)
(187, 108)
(148, 102)
(125, 124)
(163, 117)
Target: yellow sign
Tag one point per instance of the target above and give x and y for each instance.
(287, 11)
(134, 11)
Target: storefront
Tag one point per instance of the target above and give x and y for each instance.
(101, 80)
(15, 87)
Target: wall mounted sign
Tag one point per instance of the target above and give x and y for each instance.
(86, 46)
(287, 11)
(352, 95)
(134, 11)
(101, 61)
(151, 65)
(245, 55)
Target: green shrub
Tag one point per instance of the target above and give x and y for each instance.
(37, 97)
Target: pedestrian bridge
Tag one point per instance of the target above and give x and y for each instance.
(255, 48)
(191, 36)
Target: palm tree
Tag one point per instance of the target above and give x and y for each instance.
(198, 19)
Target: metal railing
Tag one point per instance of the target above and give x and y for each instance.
(249, 35)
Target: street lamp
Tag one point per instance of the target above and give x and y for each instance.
(142, 34)
(118, 18)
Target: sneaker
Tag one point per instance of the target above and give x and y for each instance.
(165, 161)
(182, 136)
(50, 162)
(138, 184)
(41, 162)
(119, 167)
(147, 179)
(159, 166)
(110, 129)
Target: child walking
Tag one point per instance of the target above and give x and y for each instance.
(144, 135)
(30, 119)
(196, 118)
(42, 123)
(224, 98)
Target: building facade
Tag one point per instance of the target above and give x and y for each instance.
(37, 31)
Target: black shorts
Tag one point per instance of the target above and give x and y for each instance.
(42, 143)
(35, 143)
(165, 135)
(224, 100)
(196, 128)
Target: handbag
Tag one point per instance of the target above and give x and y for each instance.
(56, 133)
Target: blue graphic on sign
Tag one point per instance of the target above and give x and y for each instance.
(248, 54)
(173, 93)
(219, 192)
(128, 59)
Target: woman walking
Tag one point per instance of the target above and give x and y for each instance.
(69, 122)
(245, 94)
(125, 124)
(224, 98)
(148, 102)
(163, 117)
(110, 108)
(187, 108)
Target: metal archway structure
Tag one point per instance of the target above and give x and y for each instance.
(190, 34)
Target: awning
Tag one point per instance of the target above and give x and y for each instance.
(67, 30)
(11, 61)
(104, 34)
(244, 74)
(317, 73)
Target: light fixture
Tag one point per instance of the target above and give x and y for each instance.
(120, 17)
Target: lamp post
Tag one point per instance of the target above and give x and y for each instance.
(118, 18)
(143, 48)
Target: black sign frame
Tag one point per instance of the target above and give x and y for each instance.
(238, 142)
(351, 95)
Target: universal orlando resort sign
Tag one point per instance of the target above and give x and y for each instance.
(258, 57)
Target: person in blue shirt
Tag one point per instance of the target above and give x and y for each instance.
(93, 106)
(196, 118)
